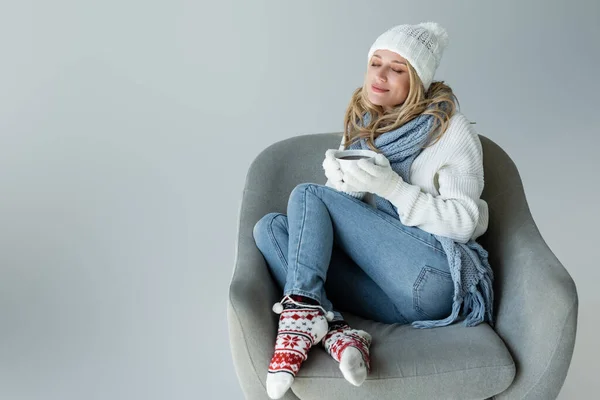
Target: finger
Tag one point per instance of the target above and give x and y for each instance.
(370, 168)
(334, 174)
(330, 154)
(335, 184)
(329, 163)
(354, 182)
(381, 160)
(359, 174)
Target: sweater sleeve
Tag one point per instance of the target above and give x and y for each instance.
(454, 213)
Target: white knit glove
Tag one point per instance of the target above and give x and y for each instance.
(378, 178)
(334, 175)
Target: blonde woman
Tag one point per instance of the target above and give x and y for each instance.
(392, 241)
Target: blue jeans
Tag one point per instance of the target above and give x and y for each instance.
(349, 256)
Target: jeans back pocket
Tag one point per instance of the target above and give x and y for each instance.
(433, 292)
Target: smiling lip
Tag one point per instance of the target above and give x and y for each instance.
(378, 90)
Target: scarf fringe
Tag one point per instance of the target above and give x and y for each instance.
(442, 322)
(486, 275)
(488, 293)
(475, 308)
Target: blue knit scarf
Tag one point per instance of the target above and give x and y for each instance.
(469, 266)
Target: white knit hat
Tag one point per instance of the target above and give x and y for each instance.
(422, 45)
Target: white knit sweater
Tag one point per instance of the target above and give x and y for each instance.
(443, 197)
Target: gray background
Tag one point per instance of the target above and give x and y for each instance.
(126, 130)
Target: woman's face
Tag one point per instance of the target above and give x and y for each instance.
(387, 81)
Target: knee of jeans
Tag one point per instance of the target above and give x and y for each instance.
(301, 188)
(266, 223)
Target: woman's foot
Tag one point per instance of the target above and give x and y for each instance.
(301, 326)
(349, 347)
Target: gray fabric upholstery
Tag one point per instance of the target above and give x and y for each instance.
(526, 355)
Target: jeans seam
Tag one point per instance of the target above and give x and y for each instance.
(275, 243)
(374, 211)
(402, 319)
(295, 266)
(296, 290)
(284, 262)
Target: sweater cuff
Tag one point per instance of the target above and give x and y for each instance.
(356, 195)
(404, 196)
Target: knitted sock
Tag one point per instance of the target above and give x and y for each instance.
(301, 326)
(349, 347)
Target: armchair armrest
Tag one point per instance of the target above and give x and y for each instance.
(252, 293)
(536, 298)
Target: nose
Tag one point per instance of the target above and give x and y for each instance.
(381, 77)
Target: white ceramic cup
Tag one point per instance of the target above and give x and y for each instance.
(353, 157)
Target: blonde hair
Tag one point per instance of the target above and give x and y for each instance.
(439, 101)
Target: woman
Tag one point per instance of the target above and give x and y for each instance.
(392, 241)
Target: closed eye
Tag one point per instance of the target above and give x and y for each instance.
(395, 70)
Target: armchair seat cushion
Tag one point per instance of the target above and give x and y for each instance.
(451, 362)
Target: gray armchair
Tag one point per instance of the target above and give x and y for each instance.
(525, 356)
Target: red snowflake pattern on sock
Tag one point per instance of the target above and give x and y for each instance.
(299, 329)
(337, 340)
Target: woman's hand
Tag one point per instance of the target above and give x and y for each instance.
(334, 174)
(332, 169)
(378, 178)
